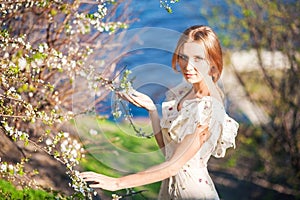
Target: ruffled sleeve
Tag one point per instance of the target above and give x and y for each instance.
(204, 111)
(193, 113)
(227, 137)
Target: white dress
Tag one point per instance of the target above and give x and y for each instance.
(193, 180)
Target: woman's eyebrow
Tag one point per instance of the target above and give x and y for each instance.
(198, 56)
(182, 54)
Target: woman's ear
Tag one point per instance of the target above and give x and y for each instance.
(214, 73)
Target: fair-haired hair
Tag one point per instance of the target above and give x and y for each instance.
(205, 36)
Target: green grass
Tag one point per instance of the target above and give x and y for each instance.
(8, 191)
(116, 151)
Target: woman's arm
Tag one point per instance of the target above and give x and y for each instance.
(155, 122)
(185, 151)
(143, 101)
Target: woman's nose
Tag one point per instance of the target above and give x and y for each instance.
(189, 66)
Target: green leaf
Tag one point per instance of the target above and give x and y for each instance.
(53, 12)
(39, 55)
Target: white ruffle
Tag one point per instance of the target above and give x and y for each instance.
(195, 112)
(227, 137)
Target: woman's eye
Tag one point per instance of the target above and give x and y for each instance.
(183, 57)
(197, 59)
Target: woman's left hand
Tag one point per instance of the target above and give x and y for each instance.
(100, 181)
(138, 99)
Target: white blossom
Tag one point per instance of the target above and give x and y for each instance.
(6, 55)
(41, 49)
(12, 89)
(22, 63)
(10, 167)
(66, 134)
(93, 132)
(49, 142)
(28, 46)
(3, 167)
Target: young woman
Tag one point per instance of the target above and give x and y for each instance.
(193, 127)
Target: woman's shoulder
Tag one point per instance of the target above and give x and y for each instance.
(202, 109)
(205, 102)
(178, 91)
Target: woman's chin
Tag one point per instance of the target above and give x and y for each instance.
(192, 80)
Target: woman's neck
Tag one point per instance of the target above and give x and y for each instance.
(201, 89)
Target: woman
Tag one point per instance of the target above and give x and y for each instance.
(194, 124)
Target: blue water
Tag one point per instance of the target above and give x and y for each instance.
(150, 56)
(185, 13)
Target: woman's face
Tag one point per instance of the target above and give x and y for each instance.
(192, 62)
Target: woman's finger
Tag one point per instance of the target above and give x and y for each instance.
(126, 97)
(138, 99)
(95, 186)
(89, 176)
(132, 99)
(87, 173)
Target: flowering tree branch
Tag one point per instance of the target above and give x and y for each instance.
(46, 51)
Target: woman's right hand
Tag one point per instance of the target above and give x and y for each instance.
(100, 181)
(138, 99)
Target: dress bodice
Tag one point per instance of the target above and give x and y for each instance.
(194, 112)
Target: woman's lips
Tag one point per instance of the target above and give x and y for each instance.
(189, 75)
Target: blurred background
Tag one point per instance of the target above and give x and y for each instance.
(58, 85)
(260, 41)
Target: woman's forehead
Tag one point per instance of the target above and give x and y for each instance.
(192, 48)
